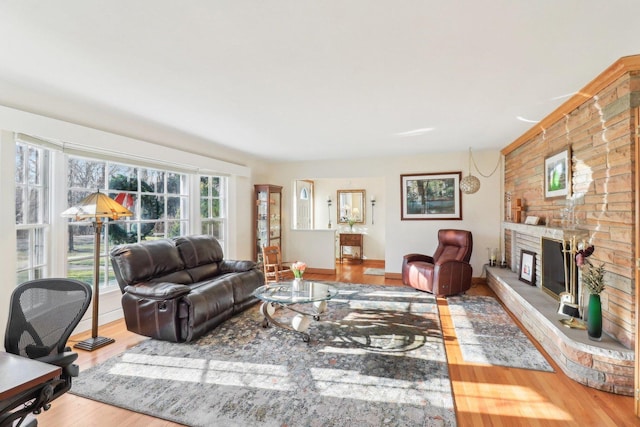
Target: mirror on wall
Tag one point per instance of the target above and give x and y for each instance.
(351, 205)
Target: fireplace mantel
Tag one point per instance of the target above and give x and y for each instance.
(525, 236)
(541, 231)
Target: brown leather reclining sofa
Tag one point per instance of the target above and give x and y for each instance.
(179, 289)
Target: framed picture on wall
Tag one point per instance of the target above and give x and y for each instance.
(428, 196)
(528, 267)
(557, 175)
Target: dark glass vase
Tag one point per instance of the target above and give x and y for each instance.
(594, 319)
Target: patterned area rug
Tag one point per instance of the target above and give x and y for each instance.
(376, 358)
(374, 271)
(487, 334)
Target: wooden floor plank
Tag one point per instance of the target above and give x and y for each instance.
(484, 395)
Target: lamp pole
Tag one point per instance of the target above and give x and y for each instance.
(95, 341)
(96, 206)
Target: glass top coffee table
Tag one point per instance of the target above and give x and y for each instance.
(308, 299)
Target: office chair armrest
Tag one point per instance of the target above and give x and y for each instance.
(63, 359)
(160, 291)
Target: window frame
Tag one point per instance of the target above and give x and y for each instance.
(38, 243)
(210, 223)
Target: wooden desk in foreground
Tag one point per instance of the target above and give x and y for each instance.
(24, 380)
(18, 374)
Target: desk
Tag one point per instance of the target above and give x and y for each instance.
(353, 240)
(19, 375)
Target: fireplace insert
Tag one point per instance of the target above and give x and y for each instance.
(555, 267)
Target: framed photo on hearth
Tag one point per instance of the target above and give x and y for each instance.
(429, 196)
(528, 267)
(557, 175)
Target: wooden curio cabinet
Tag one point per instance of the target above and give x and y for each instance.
(268, 223)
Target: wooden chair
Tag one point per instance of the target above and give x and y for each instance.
(274, 269)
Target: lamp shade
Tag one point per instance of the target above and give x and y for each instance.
(97, 205)
(469, 184)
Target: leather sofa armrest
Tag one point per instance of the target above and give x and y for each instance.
(161, 290)
(233, 266)
(418, 257)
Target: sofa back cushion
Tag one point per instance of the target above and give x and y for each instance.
(142, 262)
(199, 250)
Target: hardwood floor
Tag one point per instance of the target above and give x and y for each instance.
(484, 395)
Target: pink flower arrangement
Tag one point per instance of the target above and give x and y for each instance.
(583, 254)
(298, 269)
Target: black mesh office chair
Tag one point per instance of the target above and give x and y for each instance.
(42, 315)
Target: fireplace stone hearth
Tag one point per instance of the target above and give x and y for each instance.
(606, 365)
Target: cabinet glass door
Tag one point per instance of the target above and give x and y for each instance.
(274, 219)
(268, 231)
(262, 237)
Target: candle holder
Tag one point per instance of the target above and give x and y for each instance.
(373, 203)
(493, 256)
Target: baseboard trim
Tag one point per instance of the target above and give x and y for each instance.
(474, 280)
(327, 271)
(478, 281)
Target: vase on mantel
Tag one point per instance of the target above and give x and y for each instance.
(594, 318)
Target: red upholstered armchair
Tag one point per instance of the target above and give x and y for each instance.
(448, 271)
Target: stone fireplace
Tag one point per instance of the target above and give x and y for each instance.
(555, 271)
(597, 127)
(607, 365)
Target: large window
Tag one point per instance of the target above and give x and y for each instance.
(32, 211)
(158, 199)
(213, 200)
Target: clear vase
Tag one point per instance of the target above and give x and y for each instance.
(594, 319)
(297, 283)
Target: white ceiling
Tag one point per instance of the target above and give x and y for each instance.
(303, 79)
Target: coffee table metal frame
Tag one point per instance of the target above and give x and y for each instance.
(291, 296)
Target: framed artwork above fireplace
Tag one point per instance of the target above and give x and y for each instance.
(557, 175)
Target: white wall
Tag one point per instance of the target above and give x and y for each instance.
(481, 211)
(313, 247)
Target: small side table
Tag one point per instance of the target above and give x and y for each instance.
(351, 240)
